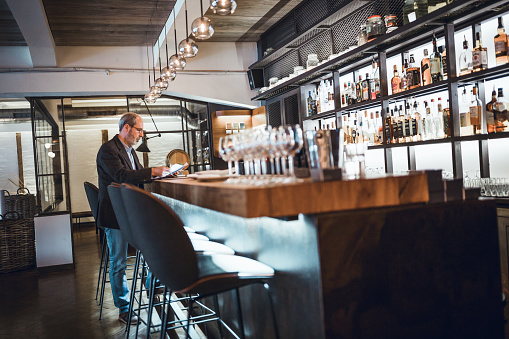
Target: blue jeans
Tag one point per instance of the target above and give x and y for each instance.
(118, 263)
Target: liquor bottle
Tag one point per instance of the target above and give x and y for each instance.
(465, 126)
(425, 69)
(319, 100)
(310, 104)
(437, 67)
(366, 88)
(352, 99)
(501, 44)
(420, 122)
(501, 108)
(479, 55)
(376, 76)
(396, 81)
(414, 80)
(429, 126)
(389, 129)
(465, 60)
(438, 122)
(379, 129)
(443, 52)
(490, 112)
(372, 92)
(372, 131)
(420, 8)
(404, 77)
(447, 120)
(344, 96)
(358, 89)
(475, 112)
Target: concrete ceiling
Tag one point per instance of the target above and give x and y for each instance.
(126, 22)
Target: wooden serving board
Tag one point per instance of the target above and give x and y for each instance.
(307, 197)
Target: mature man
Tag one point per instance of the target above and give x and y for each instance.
(117, 162)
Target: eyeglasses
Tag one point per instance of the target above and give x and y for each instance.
(137, 128)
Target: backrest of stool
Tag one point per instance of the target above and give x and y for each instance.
(161, 238)
(119, 209)
(93, 197)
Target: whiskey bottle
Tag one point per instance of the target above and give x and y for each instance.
(490, 112)
(404, 83)
(501, 44)
(396, 81)
(501, 112)
(475, 112)
(443, 52)
(479, 55)
(465, 60)
(366, 88)
(437, 67)
(389, 129)
(310, 105)
(447, 120)
(344, 96)
(414, 80)
(425, 69)
(358, 89)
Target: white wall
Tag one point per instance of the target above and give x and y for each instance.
(217, 73)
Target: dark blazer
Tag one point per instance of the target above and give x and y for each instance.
(113, 165)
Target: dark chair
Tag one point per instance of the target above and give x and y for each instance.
(199, 245)
(92, 193)
(169, 252)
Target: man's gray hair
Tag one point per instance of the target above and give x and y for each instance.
(128, 118)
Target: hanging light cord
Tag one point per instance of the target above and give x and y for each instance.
(175, 30)
(148, 63)
(201, 8)
(187, 32)
(158, 47)
(151, 117)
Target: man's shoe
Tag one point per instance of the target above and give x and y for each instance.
(124, 317)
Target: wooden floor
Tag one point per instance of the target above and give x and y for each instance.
(60, 304)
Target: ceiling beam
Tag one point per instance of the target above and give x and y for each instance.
(31, 19)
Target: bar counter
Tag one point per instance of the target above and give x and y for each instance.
(370, 258)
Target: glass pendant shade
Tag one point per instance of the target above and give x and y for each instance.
(201, 28)
(188, 48)
(177, 62)
(156, 91)
(162, 84)
(223, 7)
(150, 98)
(168, 73)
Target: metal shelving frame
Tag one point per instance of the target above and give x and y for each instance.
(443, 23)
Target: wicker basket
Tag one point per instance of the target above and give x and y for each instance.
(17, 243)
(23, 203)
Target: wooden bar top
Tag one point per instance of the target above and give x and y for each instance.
(307, 197)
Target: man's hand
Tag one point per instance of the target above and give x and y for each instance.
(160, 171)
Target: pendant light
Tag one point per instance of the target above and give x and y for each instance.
(150, 98)
(201, 28)
(187, 47)
(168, 73)
(160, 83)
(156, 91)
(176, 61)
(223, 7)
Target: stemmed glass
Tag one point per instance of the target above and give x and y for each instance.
(296, 145)
(225, 150)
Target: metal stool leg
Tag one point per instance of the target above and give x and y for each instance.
(236, 298)
(103, 283)
(216, 306)
(100, 265)
(150, 303)
(133, 291)
(273, 314)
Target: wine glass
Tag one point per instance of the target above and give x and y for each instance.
(225, 151)
(298, 143)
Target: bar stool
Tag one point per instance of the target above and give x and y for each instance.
(92, 193)
(200, 244)
(169, 252)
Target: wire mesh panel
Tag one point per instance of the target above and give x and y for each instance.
(274, 113)
(279, 34)
(320, 45)
(346, 31)
(309, 14)
(282, 67)
(394, 7)
(334, 5)
(291, 109)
